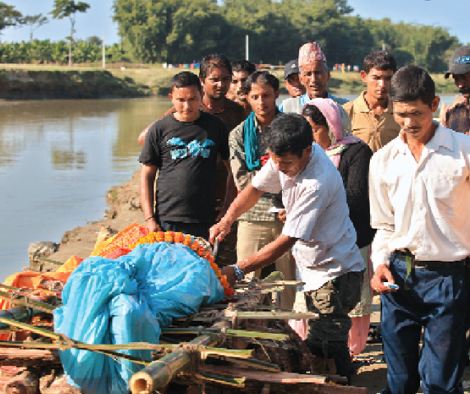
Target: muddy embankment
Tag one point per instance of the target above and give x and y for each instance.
(18, 84)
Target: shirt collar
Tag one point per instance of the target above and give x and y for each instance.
(361, 105)
(441, 138)
(305, 99)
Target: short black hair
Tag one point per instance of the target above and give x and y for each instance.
(184, 79)
(214, 60)
(381, 60)
(243, 65)
(260, 77)
(411, 83)
(288, 133)
(311, 111)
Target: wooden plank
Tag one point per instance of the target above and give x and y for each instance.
(320, 383)
(26, 357)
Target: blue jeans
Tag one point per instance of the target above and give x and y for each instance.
(430, 305)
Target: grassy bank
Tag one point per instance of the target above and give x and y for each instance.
(35, 82)
(132, 80)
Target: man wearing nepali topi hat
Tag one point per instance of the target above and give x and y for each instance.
(314, 76)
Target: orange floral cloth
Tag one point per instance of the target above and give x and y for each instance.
(111, 248)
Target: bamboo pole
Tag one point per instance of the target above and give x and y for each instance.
(159, 374)
(262, 284)
(268, 315)
(204, 351)
(274, 336)
(24, 300)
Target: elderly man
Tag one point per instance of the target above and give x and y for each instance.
(371, 113)
(457, 115)
(291, 79)
(314, 76)
(419, 192)
(317, 228)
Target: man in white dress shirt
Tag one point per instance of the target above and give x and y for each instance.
(317, 228)
(419, 194)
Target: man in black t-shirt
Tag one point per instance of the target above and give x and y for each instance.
(183, 147)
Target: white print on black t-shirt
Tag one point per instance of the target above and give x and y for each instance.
(195, 148)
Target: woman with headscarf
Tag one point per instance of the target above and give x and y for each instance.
(351, 157)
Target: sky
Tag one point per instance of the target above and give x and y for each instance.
(97, 21)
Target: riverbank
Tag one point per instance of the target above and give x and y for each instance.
(36, 83)
(134, 80)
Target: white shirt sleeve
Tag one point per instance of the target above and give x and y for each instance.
(267, 179)
(381, 215)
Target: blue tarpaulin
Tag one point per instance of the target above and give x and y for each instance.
(128, 300)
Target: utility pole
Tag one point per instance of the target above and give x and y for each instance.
(103, 55)
(247, 47)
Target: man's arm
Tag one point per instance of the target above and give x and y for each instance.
(381, 218)
(230, 190)
(241, 176)
(147, 193)
(265, 256)
(143, 135)
(244, 201)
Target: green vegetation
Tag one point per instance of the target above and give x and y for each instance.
(56, 52)
(132, 80)
(180, 31)
(9, 16)
(183, 31)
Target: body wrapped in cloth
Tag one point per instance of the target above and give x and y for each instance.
(128, 299)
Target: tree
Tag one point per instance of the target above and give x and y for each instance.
(173, 31)
(67, 9)
(9, 16)
(34, 22)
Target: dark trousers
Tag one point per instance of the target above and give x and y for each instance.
(195, 229)
(431, 303)
(328, 335)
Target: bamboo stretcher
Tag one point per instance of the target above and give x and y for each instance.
(243, 346)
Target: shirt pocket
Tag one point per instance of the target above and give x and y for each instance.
(442, 190)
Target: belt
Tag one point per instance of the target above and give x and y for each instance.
(432, 264)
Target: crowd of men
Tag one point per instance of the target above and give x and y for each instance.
(294, 185)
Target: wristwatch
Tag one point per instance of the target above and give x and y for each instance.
(239, 274)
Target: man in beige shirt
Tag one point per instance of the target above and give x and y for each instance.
(371, 113)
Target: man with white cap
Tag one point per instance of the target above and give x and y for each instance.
(457, 115)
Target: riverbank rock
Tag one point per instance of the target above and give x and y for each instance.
(39, 251)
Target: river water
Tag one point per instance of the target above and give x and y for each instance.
(57, 160)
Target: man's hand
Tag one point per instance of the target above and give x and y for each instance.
(229, 272)
(382, 274)
(152, 225)
(219, 231)
(281, 215)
